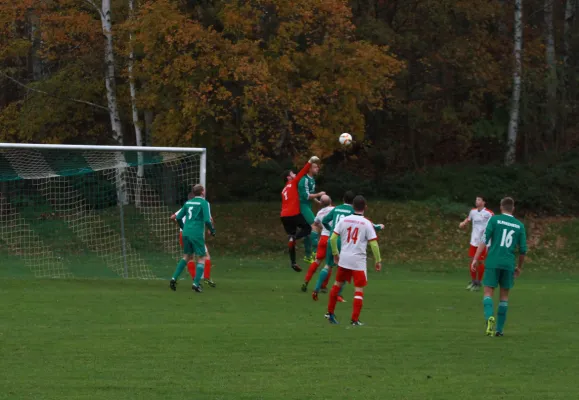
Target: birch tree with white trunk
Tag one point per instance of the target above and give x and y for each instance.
(135, 111)
(105, 14)
(513, 129)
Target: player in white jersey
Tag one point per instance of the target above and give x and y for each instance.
(354, 233)
(191, 265)
(479, 217)
(326, 203)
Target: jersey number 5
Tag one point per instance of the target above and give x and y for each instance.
(352, 235)
(507, 239)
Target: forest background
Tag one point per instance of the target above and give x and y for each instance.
(446, 99)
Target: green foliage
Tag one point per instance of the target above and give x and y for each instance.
(542, 188)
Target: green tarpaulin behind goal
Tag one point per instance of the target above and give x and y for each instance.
(80, 211)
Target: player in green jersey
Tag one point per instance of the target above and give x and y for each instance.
(330, 221)
(504, 233)
(197, 219)
(306, 190)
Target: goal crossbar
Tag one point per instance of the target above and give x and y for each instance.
(143, 149)
(33, 146)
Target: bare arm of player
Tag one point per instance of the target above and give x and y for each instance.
(317, 227)
(316, 196)
(475, 260)
(519, 268)
(522, 253)
(464, 223)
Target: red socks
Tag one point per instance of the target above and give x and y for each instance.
(333, 298)
(207, 270)
(192, 269)
(312, 270)
(357, 307)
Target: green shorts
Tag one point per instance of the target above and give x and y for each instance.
(306, 211)
(194, 245)
(329, 256)
(493, 277)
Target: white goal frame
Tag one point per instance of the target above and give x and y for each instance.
(202, 150)
(138, 149)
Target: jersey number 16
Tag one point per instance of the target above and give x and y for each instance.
(507, 239)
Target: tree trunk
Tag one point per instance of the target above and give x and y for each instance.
(35, 61)
(570, 10)
(111, 88)
(551, 82)
(135, 111)
(148, 127)
(110, 72)
(567, 72)
(510, 157)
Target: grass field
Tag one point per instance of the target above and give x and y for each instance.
(256, 336)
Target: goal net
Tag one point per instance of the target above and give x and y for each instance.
(90, 211)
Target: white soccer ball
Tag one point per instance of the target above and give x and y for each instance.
(345, 139)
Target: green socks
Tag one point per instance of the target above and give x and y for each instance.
(502, 315)
(315, 238)
(488, 307)
(308, 245)
(180, 267)
(321, 278)
(199, 273)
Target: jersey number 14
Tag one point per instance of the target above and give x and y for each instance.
(352, 235)
(507, 239)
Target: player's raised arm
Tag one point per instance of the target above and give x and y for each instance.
(306, 168)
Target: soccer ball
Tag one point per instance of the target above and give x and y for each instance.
(345, 139)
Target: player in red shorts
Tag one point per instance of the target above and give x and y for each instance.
(354, 233)
(479, 216)
(326, 203)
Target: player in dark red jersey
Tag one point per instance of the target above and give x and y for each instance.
(293, 221)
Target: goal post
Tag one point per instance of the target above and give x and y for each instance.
(93, 211)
